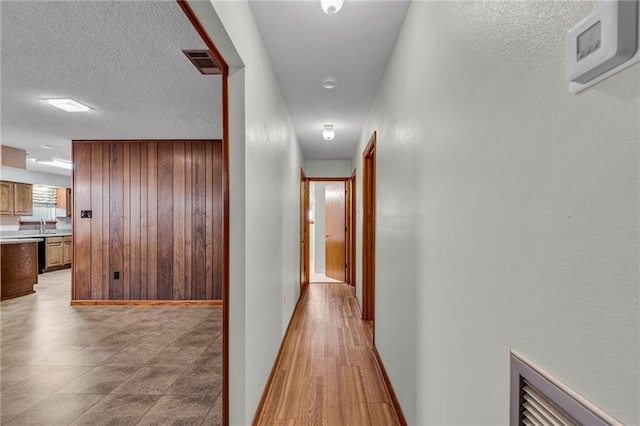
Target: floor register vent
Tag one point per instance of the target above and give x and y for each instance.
(538, 399)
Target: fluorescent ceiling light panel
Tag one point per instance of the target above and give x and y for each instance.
(63, 164)
(68, 104)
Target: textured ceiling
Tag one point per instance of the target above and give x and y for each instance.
(306, 45)
(123, 59)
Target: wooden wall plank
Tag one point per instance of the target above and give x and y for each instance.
(106, 173)
(135, 230)
(82, 231)
(209, 220)
(165, 221)
(199, 192)
(178, 217)
(152, 217)
(188, 221)
(218, 220)
(144, 224)
(116, 228)
(126, 221)
(95, 178)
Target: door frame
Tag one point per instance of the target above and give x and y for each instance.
(304, 231)
(369, 230)
(350, 221)
(224, 67)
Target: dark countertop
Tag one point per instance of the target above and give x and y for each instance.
(19, 240)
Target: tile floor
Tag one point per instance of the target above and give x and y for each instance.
(107, 365)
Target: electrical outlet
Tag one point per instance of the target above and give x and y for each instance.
(284, 298)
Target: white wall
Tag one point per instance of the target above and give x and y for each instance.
(265, 163)
(507, 213)
(37, 178)
(328, 168)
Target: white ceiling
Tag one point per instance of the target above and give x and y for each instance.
(306, 45)
(123, 59)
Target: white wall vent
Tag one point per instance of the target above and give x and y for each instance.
(203, 61)
(538, 399)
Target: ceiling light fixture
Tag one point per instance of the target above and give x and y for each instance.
(63, 164)
(68, 104)
(331, 7)
(328, 133)
(329, 82)
(48, 146)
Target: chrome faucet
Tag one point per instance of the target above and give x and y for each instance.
(42, 225)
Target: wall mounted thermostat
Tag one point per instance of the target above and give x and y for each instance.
(603, 43)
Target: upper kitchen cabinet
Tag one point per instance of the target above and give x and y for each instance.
(63, 202)
(16, 199)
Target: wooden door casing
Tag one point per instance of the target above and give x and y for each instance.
(369, 229)
(304, 231)
(335, 231)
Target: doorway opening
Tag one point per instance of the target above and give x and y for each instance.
(327, 230)
(224, 71)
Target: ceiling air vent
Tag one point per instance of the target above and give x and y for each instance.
(539, 399)
(203, 61)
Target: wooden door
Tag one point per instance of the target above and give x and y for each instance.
(304, 231)
(335, 230)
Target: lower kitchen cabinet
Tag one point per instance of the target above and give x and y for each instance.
(58, 253)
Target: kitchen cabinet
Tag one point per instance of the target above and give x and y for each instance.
(66, 251)
(58, 252)
(16, 199)
(22, 199)
(6, 198)
(63, 204)
(19, 259)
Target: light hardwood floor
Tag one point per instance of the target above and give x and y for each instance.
(327, 374)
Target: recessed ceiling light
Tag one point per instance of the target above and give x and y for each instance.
(328, 133)
(329, 82)
(48, 146)
(331, 7)
(68, 105)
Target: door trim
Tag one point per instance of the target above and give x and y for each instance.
(369, 230)
(304, 232)
(352, 211)
(197, 25)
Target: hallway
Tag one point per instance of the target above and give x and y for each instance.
(327, 373)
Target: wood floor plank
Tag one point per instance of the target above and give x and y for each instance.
(326, 374)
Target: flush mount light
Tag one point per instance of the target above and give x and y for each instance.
(331, 7)
(63, 164)
(68, 105)
(329, 82)
(48, 146)
(328, 133)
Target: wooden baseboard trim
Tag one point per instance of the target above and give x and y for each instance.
(276, 364)
(389, 388)
(146, 302)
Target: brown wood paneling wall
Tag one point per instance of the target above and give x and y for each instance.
(157, 220)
